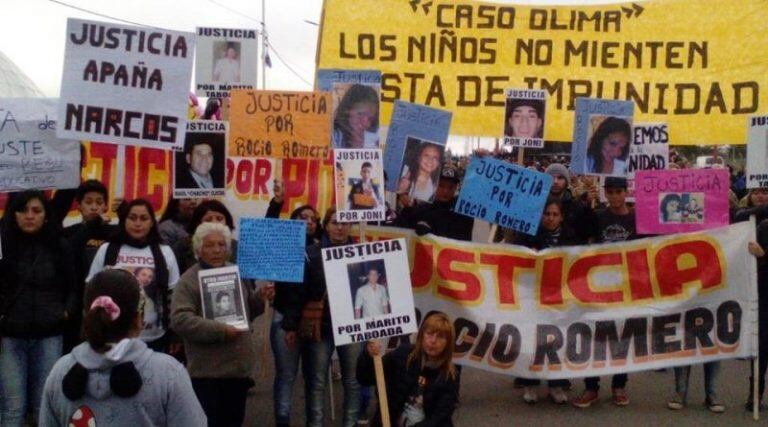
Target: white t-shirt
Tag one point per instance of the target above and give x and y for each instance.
(141, 263)
(228, 70)
(372, 302)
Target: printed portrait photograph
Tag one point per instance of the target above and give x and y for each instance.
(201, 164)
(608, 141)
(368, 287)
(355, 116)
(420, 172)
(524, 118)
(681, 208)
(226, 62)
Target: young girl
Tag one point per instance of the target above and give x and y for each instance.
(113, 378)
(422, 381)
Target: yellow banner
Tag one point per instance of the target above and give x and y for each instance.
(696, 64)
(280, 125)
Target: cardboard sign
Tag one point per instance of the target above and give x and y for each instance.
(31, 156)
(282, 125)
(200, 169)
(677, 201)
(757, 152)
(225, 59)
(602, 134)
(419, 174)
(503, 193)
(649, 149)
(221, 295)
(355, 106)
(125, 85)
(369, 291)
(272, 249)
(412, 121)
(359, 185)
(524, 122)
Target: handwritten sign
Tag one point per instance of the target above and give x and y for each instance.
(369, 291)
(504, 194)
(649, 149)
(411, 121)
(757, 152)
(677, 201)
(598, 122)
(277, 124)
(31, 156)
(272, 249)
(225, 59)
(125, 85)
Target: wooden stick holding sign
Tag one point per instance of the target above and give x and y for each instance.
(267, 325)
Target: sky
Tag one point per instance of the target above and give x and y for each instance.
(32, 32)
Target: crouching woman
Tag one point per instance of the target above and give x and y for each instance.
(422, 381)
(220, 357)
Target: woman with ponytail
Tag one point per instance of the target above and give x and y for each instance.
(136, 247)
(113, 378)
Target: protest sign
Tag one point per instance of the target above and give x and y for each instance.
(225, 59)
(125, 85)
(31, 156)
(503, 193)
(279, 124)
(757, 152)
(579, 311)
(359, 185)
(221, 295)
(683, 62)
(411, 121)
(602, 134)
(272, 249)
(369, 291)
(680, 200)
(524, 122)
(420, 171)
(199, 170)
(649, 149)
(355, 106)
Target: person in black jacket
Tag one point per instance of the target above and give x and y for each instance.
(438, 217)
(37, 295)
(422, 381)
(317, 344)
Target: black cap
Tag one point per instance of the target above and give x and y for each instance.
(536, 104)
(451, 173)
(615, 182)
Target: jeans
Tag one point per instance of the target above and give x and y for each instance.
(222, 399)
(286, 367)
(617, 381)
(711, 371)
(316, 357)
(24, 366)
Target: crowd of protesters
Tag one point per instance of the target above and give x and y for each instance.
(136, 345)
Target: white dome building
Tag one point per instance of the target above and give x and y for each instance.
(14, 83)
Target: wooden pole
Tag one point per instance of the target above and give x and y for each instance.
(381, 390)
(265, 346)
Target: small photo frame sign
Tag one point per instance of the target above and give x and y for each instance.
(359, 177)
(524, 118)
(221, 295)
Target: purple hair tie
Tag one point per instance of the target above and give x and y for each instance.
(108, 305)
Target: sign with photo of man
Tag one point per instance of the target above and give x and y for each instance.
(524, 118)
(369, 291)
(757, 152)
(199, 170)
(225, 59)
(359, 185)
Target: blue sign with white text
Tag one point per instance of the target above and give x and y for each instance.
(272, 249)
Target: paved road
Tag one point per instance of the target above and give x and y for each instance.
(491, 400)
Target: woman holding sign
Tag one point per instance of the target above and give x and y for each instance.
(220, 357)
(307, 318)
(422, 381)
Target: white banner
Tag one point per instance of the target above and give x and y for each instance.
(591, 310)
(125, 85)
(31, 157)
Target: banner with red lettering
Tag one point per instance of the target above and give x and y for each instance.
(590, 310)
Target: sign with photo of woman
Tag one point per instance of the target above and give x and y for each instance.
(681, 200)
(359, 185)
(356, 97)
(602, 136)
(420, 171)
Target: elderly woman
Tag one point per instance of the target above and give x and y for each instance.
(220, 357)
